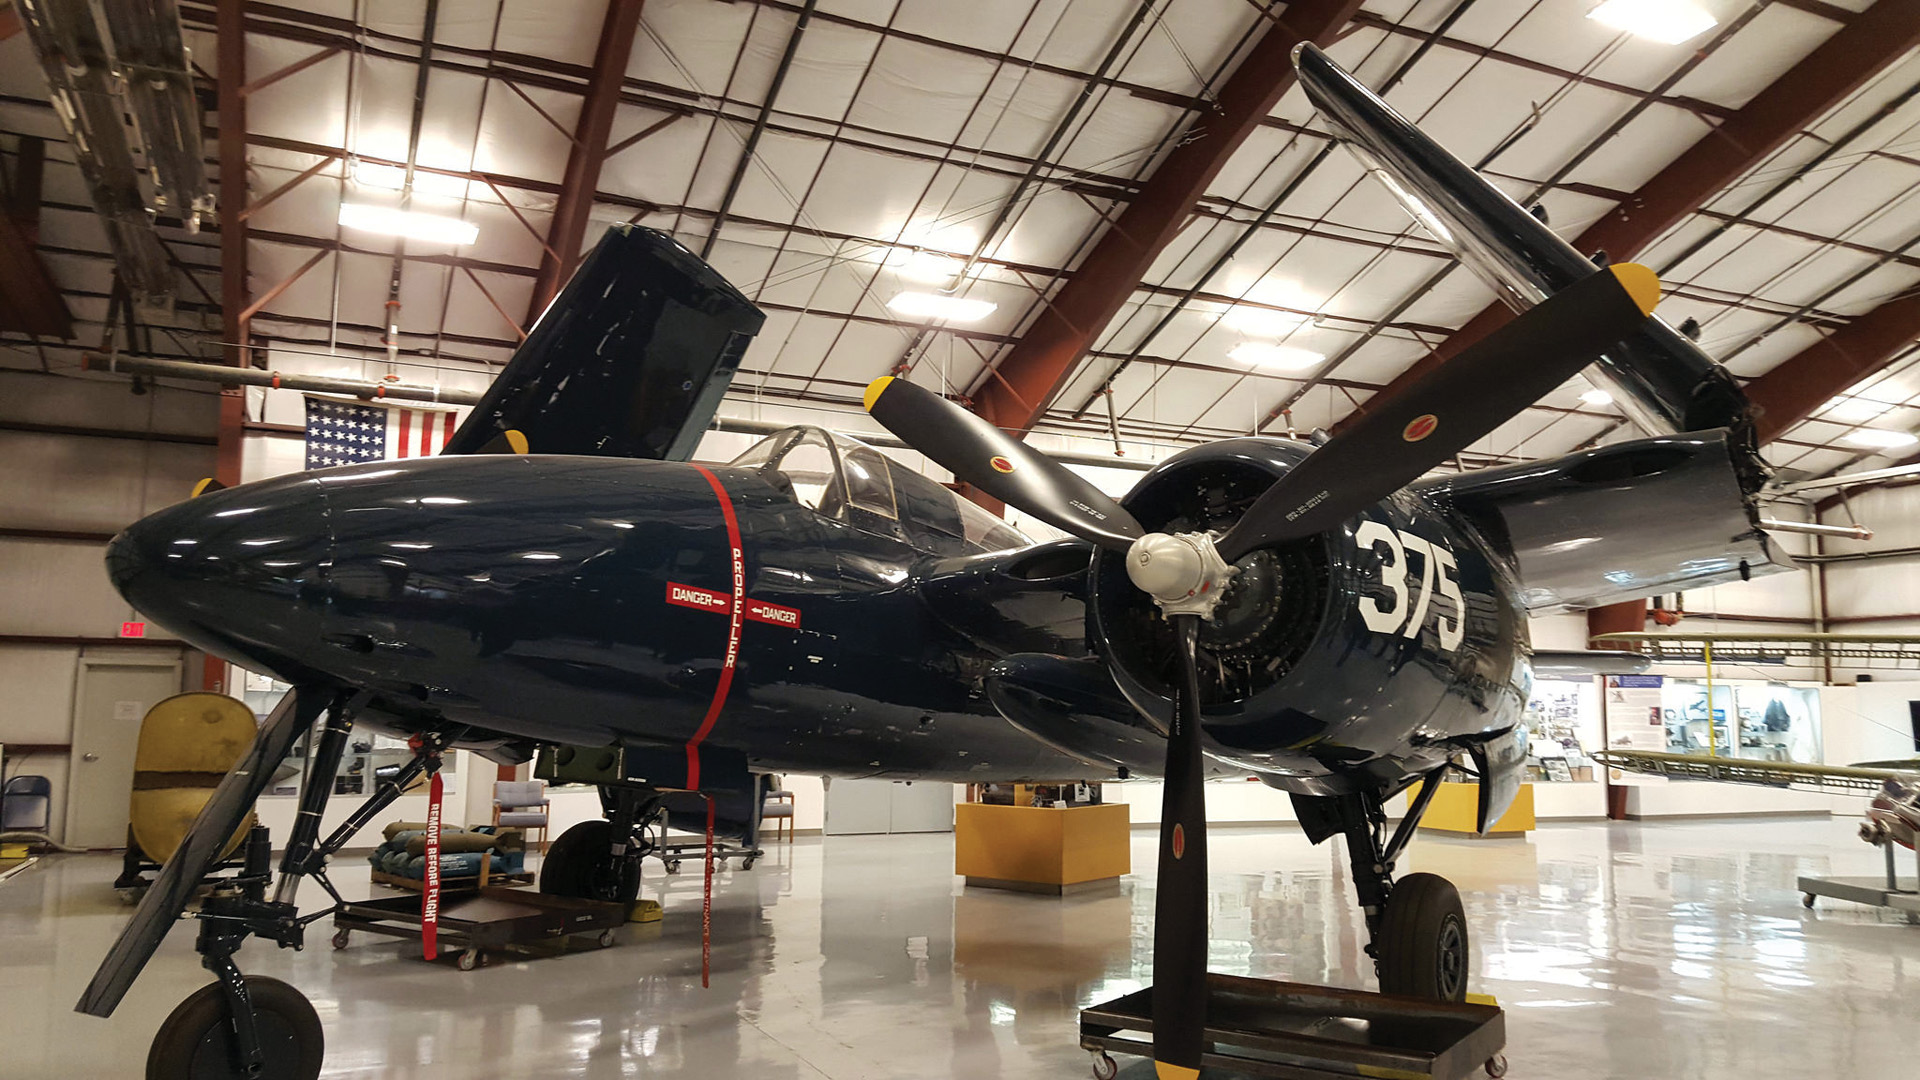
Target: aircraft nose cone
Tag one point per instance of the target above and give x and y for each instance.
(239, 573)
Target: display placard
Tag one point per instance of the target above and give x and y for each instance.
(1632, 712)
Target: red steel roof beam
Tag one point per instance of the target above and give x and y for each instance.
(1039, 365)
(1810, 378)
(1868, 43)
(569, 226)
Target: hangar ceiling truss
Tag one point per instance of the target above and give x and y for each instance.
(1135, 188)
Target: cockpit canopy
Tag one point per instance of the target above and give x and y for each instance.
(848, 480)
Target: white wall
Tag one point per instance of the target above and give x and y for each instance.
(59, 588)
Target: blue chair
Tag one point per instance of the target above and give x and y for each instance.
(26, 804)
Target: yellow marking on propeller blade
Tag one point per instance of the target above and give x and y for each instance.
(206, 484)
(1642, 285)
(516, 439)
(874, 390)
(1168, 1071)
(1482, 999)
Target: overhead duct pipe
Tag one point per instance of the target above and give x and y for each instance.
(370, 389)
(319, 384)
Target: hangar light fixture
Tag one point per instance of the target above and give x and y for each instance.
(433, 228)
(931, 268)
(1278, 357)
(1597, 396)
(1669, 22)
(1854, 410)
(1881, 438)
(1249, 319)
(924, 305)
(391, 177)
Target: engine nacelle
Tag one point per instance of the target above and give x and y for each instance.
(1332, 654)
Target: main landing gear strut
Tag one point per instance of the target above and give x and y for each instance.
(1417, 927)
(249, 1026)
(600, 859)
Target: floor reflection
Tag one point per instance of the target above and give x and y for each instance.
(1619, 950)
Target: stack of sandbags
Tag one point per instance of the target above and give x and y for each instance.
(461, 850)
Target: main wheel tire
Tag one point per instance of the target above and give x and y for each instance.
(1423, 945)
(197, 1043)
(579, 864)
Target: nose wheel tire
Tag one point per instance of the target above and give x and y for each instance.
(581, 864)
(1422, 943)
(196, 1042)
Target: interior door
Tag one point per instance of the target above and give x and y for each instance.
(922, 807)
(855, 807)
(113, 697)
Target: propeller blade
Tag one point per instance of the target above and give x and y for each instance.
(1180, 900)
(998, 464)
(207, 486)
(1450, 407)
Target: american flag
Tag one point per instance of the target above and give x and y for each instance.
(347, 433)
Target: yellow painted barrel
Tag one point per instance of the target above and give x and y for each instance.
(187, 744)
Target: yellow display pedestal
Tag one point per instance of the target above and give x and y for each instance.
(1041, 849)
(1456, 808)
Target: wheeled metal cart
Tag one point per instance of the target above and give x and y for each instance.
(1881, 892)
(1257, 1027)
(493, 920)
(672, 854)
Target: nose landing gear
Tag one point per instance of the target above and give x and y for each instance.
(1418, 930)
(249, 1027)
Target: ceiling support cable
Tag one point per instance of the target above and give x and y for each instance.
(759, 127)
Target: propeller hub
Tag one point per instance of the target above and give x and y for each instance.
(1183, 572)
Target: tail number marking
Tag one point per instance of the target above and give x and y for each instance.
(1403, 613)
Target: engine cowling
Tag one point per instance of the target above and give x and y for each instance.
(1361, 654)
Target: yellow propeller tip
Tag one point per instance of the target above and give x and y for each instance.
(1166, 1071)
(516, 439)
(874, 390)
(206, 484)
(1642, 284)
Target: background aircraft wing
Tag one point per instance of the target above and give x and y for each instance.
(630, 360)
(1833, 779)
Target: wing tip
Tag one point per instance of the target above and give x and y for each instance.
(874, 390)
(1641, 284)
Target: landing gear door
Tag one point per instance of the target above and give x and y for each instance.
(1501, 762)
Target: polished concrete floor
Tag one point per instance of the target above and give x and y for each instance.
(1620, 950)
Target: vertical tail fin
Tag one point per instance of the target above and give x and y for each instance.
(630, 360)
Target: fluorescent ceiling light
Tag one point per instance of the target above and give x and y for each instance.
(413, 225)
(1669, 22)
(1258, 320)
(1881, 438)
(1278, 357)
(930, 268)
(923, 305)
(1597, 396)
(1854, 410)
(391, 177)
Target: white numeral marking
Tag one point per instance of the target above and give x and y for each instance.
(1393, 564)
(1437, 569)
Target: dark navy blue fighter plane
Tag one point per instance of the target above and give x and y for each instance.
(1327, 619)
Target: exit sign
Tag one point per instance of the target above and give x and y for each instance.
(133, 629)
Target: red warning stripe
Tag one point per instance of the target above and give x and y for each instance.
(735, 613)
